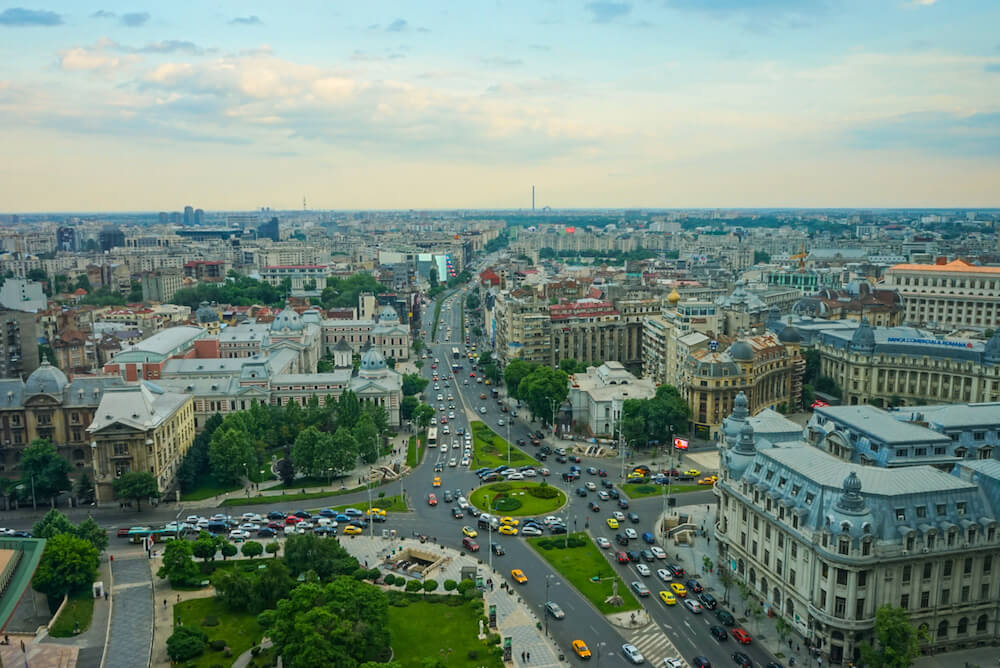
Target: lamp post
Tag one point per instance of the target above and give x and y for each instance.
(545, 614)
(600, 650)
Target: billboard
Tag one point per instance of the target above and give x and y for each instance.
(680, 443)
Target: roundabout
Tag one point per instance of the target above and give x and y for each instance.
(518, 498)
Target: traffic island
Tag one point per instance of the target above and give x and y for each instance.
(518, 498)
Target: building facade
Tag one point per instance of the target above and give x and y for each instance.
(596, 397)
(947, 296)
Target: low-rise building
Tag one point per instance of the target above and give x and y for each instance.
(596, 397)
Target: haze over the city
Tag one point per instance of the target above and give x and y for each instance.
(674, 103)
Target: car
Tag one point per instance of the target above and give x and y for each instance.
(508, 530)
(266, 532)
(710, 480)
(465, 461)
(580, 491)
(634, 556)
(352, 530)
(509, 521)
(431, 500)
(643, 570)
(448, 496)
(482, 409)
(531, 530)
(700, 662)
(457, 512)
(497, 549)
(673, 662)
(612, 523)
(614, 493)
(453, 462)
(469, 531)
(519, 576)
(302, 514)
(603, 496)
(341, 517)
(676, 570)
(694, 586)
(238, 535)
(694, 606)
(594, 508)
(633, 518)
(664, 574)
(603, 542)
(708, 600)
(679, 589)
(742, 660)
(623, 503)
(667, 597)
(276, 515)
(630, 533)
(470, 545)
(618, 515)
(632, 653)
(436, 482)
(621, 539)
(590, 486)
(581, 649)
(648, 538)
(639, 588)
(725, 617)
(692, 472)
(621, 557)
(647, 556)
(741, 636)
(657, 551)
(553, 609)
(718, 632)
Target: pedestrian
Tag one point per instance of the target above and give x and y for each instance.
(522, 656)
(789, 644)
(105, 594)
(23, 650)
(529, 656)
(178, 598)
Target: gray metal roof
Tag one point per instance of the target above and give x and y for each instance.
(954, 416)
(881, 425)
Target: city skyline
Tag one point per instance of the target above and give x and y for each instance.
(673, 104)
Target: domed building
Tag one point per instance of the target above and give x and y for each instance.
(389, 336)
(207, 317)
(302, 333)
(378, 384)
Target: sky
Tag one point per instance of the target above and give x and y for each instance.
(458, 104)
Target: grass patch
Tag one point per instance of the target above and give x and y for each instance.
(642, 491)
(208, 487)
(391, 504)
(291, 498)
(240, 630)
(490, 449)
(579, 564)
(518, 490)
(415, 452)
(78, 612)
(306, 482)
(456, 628)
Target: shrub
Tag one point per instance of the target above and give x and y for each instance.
(501, 487)
(466, 585)
(473, 655)
(545, 543)
(185, 643)
(255, 650)
(450, 585)
(210, 621)
(493, 639)
(574, 541)
(645, 489)
(506, 504)
(413, 585)
(430, 585)
(543, 492)
(217, 645)
(389, 579)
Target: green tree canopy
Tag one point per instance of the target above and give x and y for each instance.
(650, 420)
(326, 558)
(55, 523)
(343, 292)
(43, 470)
(366, 438)
(544, 390)
(514, 373)
(896, 641)
(136, 486)
(407, 406)
(178, 564)
(186, 643)
(68, 565)
(413, 383)
(231, 454)
(236, 290)
(422, 415)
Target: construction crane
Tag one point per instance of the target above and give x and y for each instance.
(801, 257)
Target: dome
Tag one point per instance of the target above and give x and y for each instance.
(863, 340)
(851, 500)
(991, 352)
(288, 319)
(746, 443)
(342, 345)
(46, 379)
(372, 360)
(674, 296)
(741, 351)
(388, 314)
(741, 405)
(206, 313)
(732, 424)
(790, 335)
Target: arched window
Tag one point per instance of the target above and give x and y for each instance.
(963, 626)
(763, 587)
(981, 624)
(776, 596)
(753, 577)
(942, 632)
(789, 607)
(741, 567)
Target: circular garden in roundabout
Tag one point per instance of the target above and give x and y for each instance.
(518, 498)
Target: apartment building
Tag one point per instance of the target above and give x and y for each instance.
(947, 295)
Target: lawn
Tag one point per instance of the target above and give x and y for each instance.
(78, 612)
(391, 504)
(291, 498)
(305, 482)
(579, 564)
(489, 449)
(483, 497)
(208, 487)
(415, 452)
(642, 491)
(455, 628)
(240, 630)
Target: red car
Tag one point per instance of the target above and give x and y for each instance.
(472, 375)
(292, 519)
(622, 557)
(276, 526)
(432, 500)
(741, 636)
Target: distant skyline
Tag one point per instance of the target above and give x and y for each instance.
(449, 105)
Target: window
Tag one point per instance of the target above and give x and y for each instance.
(859, 608)
(900, 514)
(987, 564)
(753, 548)
(781, 539)
(921, 511)
(947, 569)
(791, 577)
(965, 594)
(967, 567)
(866, 547)
(795, 489)
(839, 606)
(120, 449)
(777, 566)
(907, 570)
(809, 498)
(862, 578)
(940, 509)
(841, 576)
(979, 436)
(904, 601)
(822, 599)
(925, 599)
(767, 531)
(795, 550)
(960, 507)
(825, 571)
(756, 522)
(844, 546)
(927, 571)
(945, 596)
(984, 591)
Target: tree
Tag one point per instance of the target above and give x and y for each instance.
(271, 584)
(252, 549)
(433, 278)
(413, 383)
(325, 365)
(43, 470)
(93, 533)
(286, 471)
(231, 454)
(654, 419)
(422, 415)
(760, 257)
(82, 282)
(514, 373)
(205, 546)
(828, 385)
(407, 406)
(273, 548)
(84, 488)
(185, 643)
(897, 642)
(813, 365)
(365, 438)
(726, 580)
(233, 588)
(546, 253)
(178, 564)
(68, 565)
(430, 585)
(304, 451)
(544, 390)
(417, 345)
(326, 558)
(53, 524)
(227, 549)
(136, 486)
(472, 301)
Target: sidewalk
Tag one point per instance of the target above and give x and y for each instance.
(91, 642)
(131, 631)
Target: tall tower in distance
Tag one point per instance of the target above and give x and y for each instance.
(532, 199)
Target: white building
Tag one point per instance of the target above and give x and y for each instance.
(596, 396)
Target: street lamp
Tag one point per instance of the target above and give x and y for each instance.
(545, 614)
(600, 650)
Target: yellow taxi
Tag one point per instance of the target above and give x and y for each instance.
(692, 472)
(509, 521)
(351, 530)
(668, 598)
(581, 649)
(612, 523)
(486, 382)
(679, 589)
(710, 480)
(469, 532)
(436, 482)
(508, 530)
(375, 511)
(519, 576)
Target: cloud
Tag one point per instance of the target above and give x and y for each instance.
(20, 17)
(172, 46)
(134, 19)
(501, 61)
(968, 135)
(246, 21)
(606, 12)
(100, 58)
(923, 3)
(399, 25)
(103, 14)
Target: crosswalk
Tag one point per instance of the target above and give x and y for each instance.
(654, 645)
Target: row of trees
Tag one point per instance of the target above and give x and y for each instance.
(650, 421)
(237, 290)
(69, 562)
(542, 388)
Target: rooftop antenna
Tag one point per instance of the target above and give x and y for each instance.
(304, 203)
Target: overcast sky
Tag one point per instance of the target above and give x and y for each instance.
(466, 104)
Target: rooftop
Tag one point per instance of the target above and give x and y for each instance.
(881, 425)
(953, 416)
(142, 406)
(958, 265)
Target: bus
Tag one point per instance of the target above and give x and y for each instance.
(432, 437)
(456, 354)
